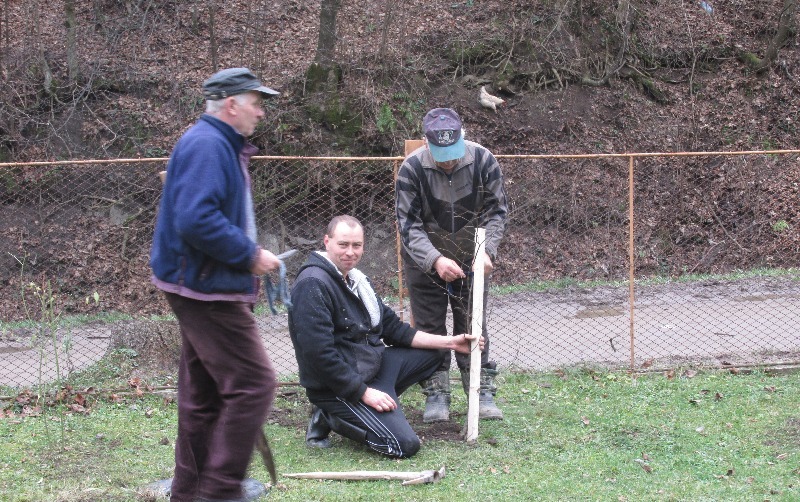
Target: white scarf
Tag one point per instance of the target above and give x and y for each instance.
(363, 289)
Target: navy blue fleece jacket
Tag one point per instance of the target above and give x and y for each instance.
(200, 246)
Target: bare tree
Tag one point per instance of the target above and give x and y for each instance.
(72, 50)
(623, 17)
(612, 66)
(326, 43)
(786, 29)
(324, 73)
(47, 74)
(782, 35)
(388, 21)
(212, 34)
(3, 32)
(255, 33)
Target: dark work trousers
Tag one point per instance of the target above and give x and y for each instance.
(226, 385)
(386, 432)
(430, 296)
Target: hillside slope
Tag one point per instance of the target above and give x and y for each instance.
(578, 77)
(678, 84)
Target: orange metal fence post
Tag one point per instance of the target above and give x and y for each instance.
(630, 255)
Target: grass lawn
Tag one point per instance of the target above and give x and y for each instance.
(571, 435)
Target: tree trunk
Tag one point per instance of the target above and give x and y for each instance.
(326, 43)
(387, 23)
(324, 74)
(48, 85)
(624, 24)
(3, 31)
(212, 34)
(782, 35)
(97, 15)
(248, 28)
(72, 50)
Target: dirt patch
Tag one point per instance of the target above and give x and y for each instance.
(448, 431)
(291, 409)
(793, 429)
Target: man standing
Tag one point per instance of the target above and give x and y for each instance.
(445, 189)
(354, 353)
(206, 261)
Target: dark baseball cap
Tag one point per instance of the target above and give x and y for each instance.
(442, 127)
(233, 81)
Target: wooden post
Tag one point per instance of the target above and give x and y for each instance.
(410, 146)
(477, 328)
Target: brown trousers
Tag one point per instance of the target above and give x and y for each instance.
(226, 385)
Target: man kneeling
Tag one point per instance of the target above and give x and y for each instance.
(354, 354)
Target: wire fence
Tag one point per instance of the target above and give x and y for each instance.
(621, 260)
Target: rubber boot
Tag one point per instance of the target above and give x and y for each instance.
(318, 429)
(437, 402)
(348, 430)
(487, 409)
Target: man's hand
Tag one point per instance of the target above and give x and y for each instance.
(461, 343)
(488, 266)
(448, 269)
(379, 400)
(265, 262)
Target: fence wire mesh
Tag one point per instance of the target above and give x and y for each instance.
(714, 259)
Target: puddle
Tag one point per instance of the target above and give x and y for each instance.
(757, 298)
(599, 312)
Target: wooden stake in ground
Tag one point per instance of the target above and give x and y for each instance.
(477, 328)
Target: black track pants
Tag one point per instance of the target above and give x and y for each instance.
(389, 432)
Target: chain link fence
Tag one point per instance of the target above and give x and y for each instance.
(708, 277)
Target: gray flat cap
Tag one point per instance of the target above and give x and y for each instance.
(233, 81)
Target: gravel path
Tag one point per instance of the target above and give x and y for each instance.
(745, 322)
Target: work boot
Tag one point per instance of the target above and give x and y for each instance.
(318, 429)
(437, 402)
(487, 409)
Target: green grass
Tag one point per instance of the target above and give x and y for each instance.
(578, 435)
(566, 282)
(69, 321)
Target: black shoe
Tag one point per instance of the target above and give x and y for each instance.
(318, 429)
